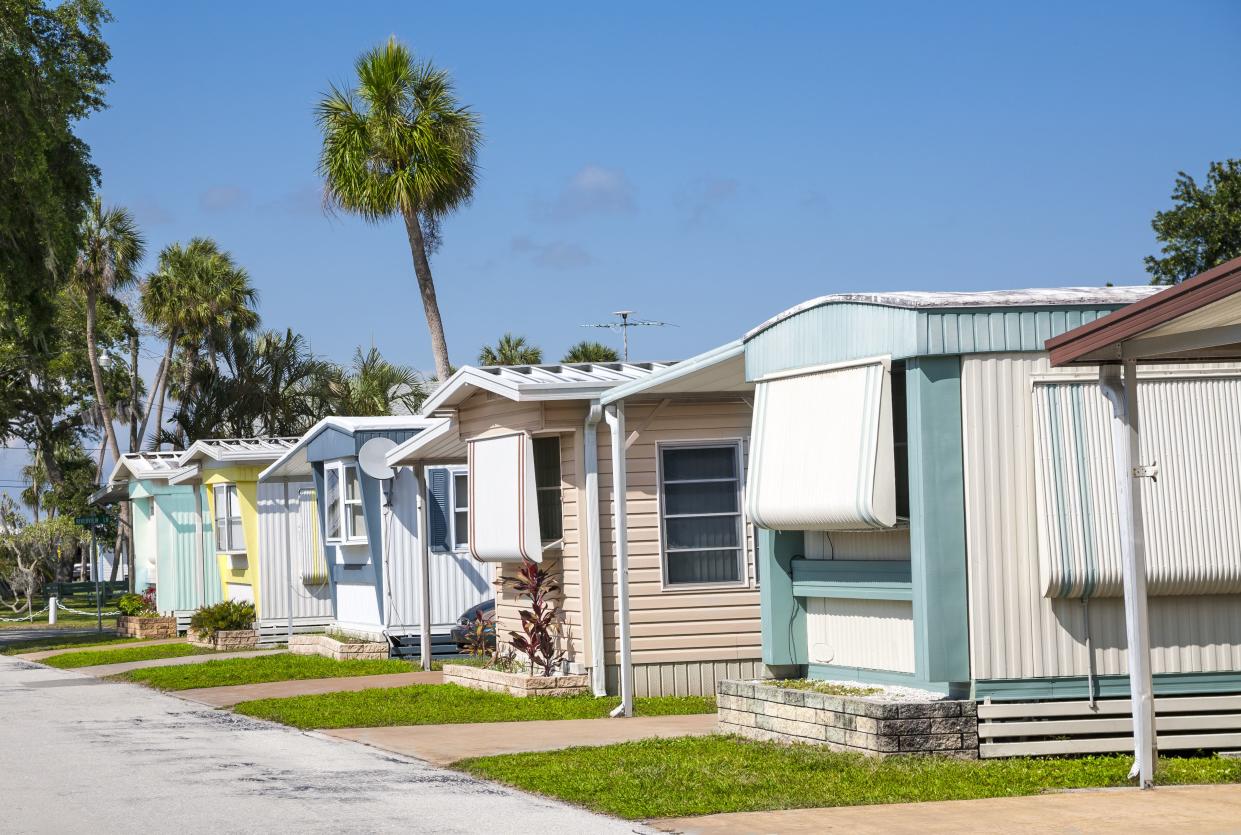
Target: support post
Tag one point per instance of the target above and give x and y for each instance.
(288, 558)
(620, 536)
(94, 550)
(783, 616)
(424, 559)
(594, 556)
(51, 608)
(1123, 395)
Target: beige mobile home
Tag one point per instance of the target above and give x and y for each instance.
(540, 442)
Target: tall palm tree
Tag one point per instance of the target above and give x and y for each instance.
(110, 250)
(510, 350)
(196, 296)
(400, 144)
(589, 351)
(374, 386)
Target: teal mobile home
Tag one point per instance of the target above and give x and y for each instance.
(936, 503)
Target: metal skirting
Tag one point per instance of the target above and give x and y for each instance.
(1034, 728)
(410, 646)
(183, 620)
(278, 633)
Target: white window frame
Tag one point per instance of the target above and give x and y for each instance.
(557, 488)
(455, 506)
(348, 536)
(226, 496)
(743, 525)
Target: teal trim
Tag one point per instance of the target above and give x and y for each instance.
(783, 615)
(842, 331)
(855, 579)
(937, 519)
(1110, 687)
(832, 672)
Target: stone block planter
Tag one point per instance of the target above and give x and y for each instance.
(129, 626)
(340, 650)
(517, 684)
(226, 640)
(848, 723)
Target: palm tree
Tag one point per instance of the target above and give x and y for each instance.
(400, 144)
(374, 386)
(196, 297)
(589, 351)
(510, 350)
(110, 250)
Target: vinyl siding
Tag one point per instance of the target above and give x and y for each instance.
(1016, 632)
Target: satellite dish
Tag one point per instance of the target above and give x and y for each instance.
(372, 458)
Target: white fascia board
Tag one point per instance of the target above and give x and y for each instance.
(407, 452)
(186, 474)
(679, 371)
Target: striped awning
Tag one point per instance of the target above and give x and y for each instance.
(504, 515)
(821, 455)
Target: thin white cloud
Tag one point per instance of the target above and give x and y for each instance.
(554, 255)
(593, 190)
(150, 212)
(222, 198)
(705, 195)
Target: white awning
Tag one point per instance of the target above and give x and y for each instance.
(821, 455)
(504, 514)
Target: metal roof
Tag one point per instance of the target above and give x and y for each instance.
(439, 442)
(722, 369)
(1198, 320)
(147, 465)
(236, 449)
(292, 462)
(930, 300)
(566, 381)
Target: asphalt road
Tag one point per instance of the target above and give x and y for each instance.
(82, 755)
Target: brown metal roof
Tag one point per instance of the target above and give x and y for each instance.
(1099, 341)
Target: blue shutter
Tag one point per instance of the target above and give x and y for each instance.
(437, 508)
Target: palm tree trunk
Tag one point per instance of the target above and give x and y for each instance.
(156, 398)
(134, 406)
(426, 286)
(92, 354)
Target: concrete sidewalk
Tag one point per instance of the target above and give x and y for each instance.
(48, 653)
(443, 744)
(104, 670)
(1180, 809)
(237, 693)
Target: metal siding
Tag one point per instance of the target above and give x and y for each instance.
(871, 634)
(281, 542)
(1189, 426)
(180, 585)
(858, 545)
(1016, 632)
(848, 331)
(458, 582)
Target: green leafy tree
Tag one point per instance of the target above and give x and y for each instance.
(590, 351)
(110, 250)
(400, 144)
(510, 350)
(374, 386)
(1203, 229)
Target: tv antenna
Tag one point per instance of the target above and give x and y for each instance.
(624, 325)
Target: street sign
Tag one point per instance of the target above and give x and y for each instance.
(91, 520)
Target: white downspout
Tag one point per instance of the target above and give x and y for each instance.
(424, 557)
(620, 527)
(1124, 400)
(594, 559)
(288, 555)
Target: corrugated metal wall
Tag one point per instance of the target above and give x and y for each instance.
(284, 538)
(1191, 427)
(871, 634)
(183, 585)
(457, 580)
(1016, 632)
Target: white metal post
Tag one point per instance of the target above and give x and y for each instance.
(1123, 396)
(620, 536)
(288, 556)
(51, 606)
(424, 558)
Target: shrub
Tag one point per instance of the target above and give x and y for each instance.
(540, 629)
(480, 637)
(222, 617)
(138, 605)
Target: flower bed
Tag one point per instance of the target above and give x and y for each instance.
(876, 725)
(517, 684)
(226, 640)
(145, 628)
(330, 647)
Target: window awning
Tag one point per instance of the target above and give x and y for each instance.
(504, 514)
(821, 455)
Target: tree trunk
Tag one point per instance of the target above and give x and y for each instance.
(47, 449)
(135, 407)
(156, 398)
(426, 286)
(126, 533)
(92, 354)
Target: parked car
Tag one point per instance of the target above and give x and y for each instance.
(486, 609)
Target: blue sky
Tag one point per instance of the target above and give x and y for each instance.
(704, 164)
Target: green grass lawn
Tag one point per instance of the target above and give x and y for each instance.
(280, 667)
(70, 660)
(705, 775)
(445, 704)
(92, 639)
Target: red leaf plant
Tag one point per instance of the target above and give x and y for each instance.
(539, 624)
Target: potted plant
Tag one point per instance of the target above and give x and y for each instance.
(227, 625)
(140, 618)
(539, 673)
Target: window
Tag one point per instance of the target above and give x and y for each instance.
(547, 485)
(700, 509)
(228, 535)
(345, 518)
(460, 511)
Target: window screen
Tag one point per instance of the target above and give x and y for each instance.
(547, 482)
(700, 503)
